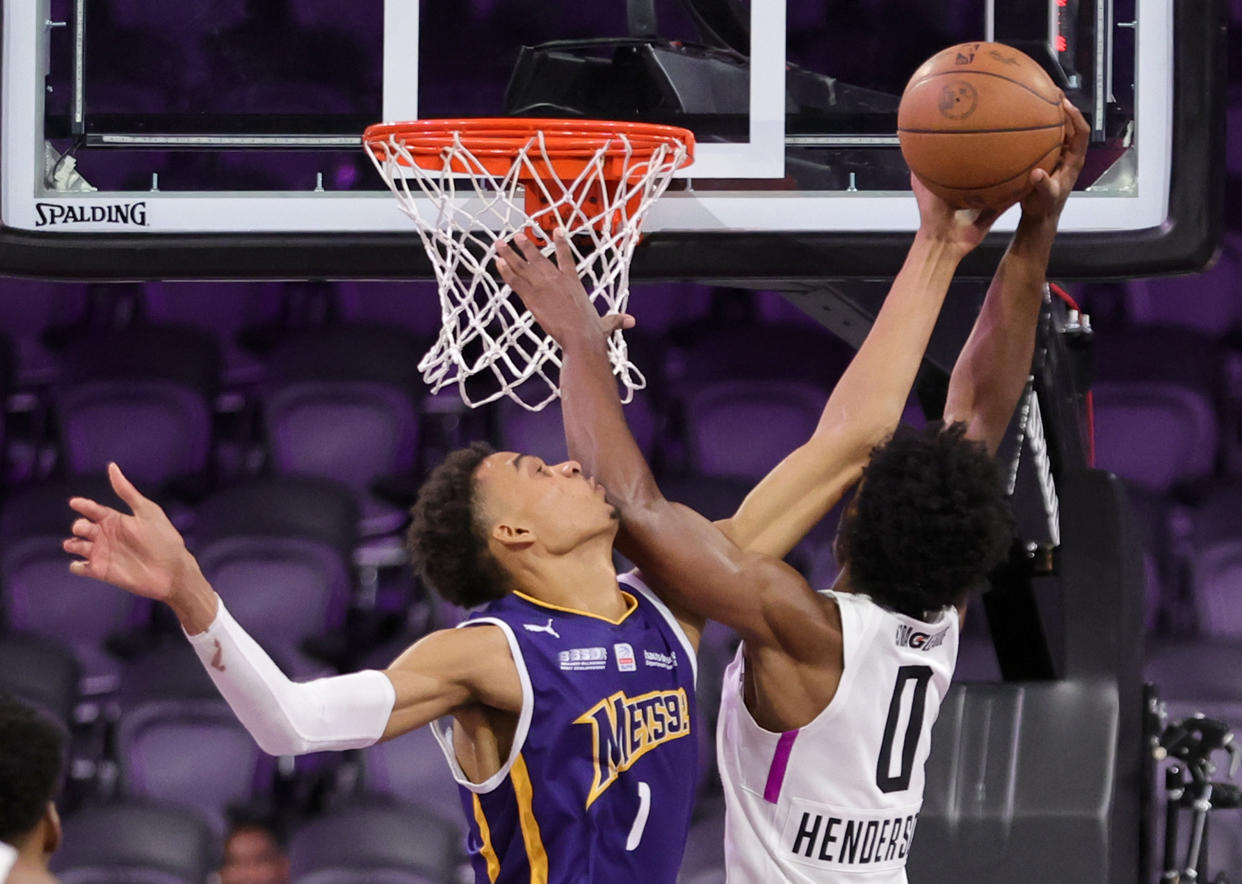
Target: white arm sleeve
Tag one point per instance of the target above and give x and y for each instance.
(286, 717)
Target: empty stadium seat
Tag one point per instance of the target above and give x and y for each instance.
(142, 397)
(366, 843)
(134, 843)
(277, 550)
(189, 753)
(39, 593)
(341, 403)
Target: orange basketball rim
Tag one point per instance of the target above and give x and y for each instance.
(552, 154)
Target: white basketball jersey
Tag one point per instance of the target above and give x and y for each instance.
(838, 800)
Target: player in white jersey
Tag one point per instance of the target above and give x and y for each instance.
(828, 707)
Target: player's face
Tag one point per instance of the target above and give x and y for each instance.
(252, 856)
(558, 503)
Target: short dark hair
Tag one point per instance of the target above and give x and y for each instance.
(448, 539)
(929, 522)
(32, 750)
(251, 818)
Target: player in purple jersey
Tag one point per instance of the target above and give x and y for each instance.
(927, 524)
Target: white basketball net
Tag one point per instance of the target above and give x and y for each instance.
(486, 329)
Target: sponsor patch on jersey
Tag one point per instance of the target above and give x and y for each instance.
(847, 840)
(579, 659)
(909, 637)
(660, 661)
(624, 729)
(625, 657)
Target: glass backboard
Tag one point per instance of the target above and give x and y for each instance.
(147, 139)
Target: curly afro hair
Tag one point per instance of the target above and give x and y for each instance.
(929, 522)
(32, 750)
(447, 540)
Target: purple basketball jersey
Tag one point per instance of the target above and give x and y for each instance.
(600, 783)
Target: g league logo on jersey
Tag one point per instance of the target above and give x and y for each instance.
(909, 637)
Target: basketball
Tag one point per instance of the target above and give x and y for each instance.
(975, 119)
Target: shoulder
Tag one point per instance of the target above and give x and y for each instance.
(800, 622)
(479, 657)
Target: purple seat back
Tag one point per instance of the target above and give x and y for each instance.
(1209, 302)
(1155, 434)
(42, 596)
(353, 431)
(157, 429)
(369, 840)
(134, 843)
(281, 589)
(412, 769)
(191, 753)
(542, 432)
(744, 428)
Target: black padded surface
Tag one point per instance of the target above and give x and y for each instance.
(1019, 785)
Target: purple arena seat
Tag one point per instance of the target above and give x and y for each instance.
(1151, 514)
(142, 397)
(658, 309)
(750, 392)
(168, 670)
(41, 596)
(277, 550)
(27, 310)
(1209, 302)
(1157, 401)
(224, 310)
(42, 671)
(413, 305)
(341, 403)
(190, 753)
(542, 432)
(412, 769)
(1216, 561)
(364, 843)
(134, 843)
(743, 428)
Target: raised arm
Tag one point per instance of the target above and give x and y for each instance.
(867, 402)
(145, 555)
(995, 362)
(697, 568)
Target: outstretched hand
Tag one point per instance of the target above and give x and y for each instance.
(141, 553)
(552, 292)
(1050, 191)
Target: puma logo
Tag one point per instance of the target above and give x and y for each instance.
(548, 629)
(219, 655)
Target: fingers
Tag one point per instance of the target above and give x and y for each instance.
(613, 322)
(86, 529)
(524, 246)
(1077, 133)
(94, 511)
(125, 489)
(76, 546)
(564, 254)
(83, 569)
(1042, 183)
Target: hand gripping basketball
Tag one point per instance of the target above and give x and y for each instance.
(1049, 191)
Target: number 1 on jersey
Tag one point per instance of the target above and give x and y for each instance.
(921, 675)
(640, 818)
